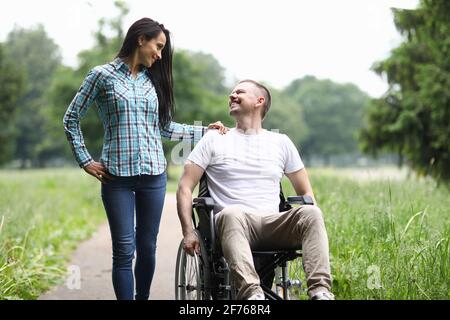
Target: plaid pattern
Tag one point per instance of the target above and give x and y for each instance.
(128, 109)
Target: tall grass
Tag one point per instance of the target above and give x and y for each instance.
(388, 239)
(43, 216)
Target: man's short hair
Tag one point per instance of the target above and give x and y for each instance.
(266, 94)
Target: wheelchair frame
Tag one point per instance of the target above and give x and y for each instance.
(207, 275)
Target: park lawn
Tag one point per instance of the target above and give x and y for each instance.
(389, 239)
(44, 214)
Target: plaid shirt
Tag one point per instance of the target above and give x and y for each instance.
(128, 109)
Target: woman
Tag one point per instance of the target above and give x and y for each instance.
(134, 95)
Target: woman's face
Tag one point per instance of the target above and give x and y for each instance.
(151, 50)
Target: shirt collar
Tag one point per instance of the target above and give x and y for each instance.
(118, 64)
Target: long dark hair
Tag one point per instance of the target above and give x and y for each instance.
(161, 70)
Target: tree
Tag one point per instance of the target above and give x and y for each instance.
(413, 116)
(39, 57)
(286, 116)
(67, 81)
(62, 89)
(11, 85)
(200, 94)
(333, 114)
(198, 84)
(105, 47)
(210, 71)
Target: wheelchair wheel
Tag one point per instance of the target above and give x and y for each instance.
(294, 272)
(192, 275)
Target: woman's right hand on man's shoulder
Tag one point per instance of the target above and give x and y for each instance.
(99, 171)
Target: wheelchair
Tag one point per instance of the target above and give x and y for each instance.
(207, 276)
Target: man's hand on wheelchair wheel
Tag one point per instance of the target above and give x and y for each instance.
(191, 244)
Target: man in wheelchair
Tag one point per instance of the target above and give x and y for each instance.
(244, 168)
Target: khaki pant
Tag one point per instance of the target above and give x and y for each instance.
(240, 232)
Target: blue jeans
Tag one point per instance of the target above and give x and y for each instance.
(120, 197)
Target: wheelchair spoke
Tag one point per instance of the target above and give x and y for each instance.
(295, 274)
(192, 273)
(190, 277)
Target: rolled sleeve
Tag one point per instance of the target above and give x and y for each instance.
(177, 132)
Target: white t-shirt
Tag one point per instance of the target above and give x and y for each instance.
(246, 169)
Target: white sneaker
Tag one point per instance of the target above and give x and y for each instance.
(323, 295)
(257, 296)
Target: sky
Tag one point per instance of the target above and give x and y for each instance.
(265, 40)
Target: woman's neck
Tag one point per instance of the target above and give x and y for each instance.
(133, 65)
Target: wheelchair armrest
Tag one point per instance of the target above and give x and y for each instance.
(204, 201)
(300, 200)
(208, 204)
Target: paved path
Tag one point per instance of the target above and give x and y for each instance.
(93, 257)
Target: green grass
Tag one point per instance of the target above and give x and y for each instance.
(388, 239)
(43, 216)
(173, 177)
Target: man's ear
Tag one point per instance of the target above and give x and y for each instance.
(260, 101)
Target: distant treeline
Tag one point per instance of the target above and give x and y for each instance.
(326, 120)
